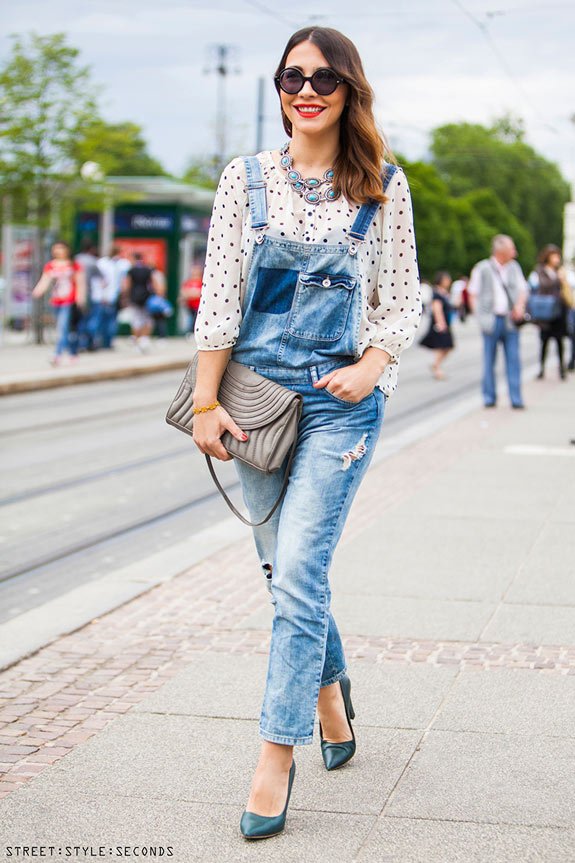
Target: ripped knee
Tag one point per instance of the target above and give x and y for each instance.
(267, 568)
(355, 453)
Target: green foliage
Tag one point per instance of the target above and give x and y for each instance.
(470, 157)
(50, 125)
(45, 99)
(481, 182)
(119, 149)
(202, 171)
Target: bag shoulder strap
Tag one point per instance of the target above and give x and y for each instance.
(278, 500)
(498, 275)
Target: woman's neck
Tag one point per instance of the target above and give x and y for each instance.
(313, 154)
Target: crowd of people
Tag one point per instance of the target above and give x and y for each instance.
(503, 300)
(91, 295)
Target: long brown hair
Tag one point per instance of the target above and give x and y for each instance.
(363, 147)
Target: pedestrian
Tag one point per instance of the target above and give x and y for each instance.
(65, 278)
(190, 295)
(459, 298)
(138, 286)
(158, 307)
(113, 268)
(86, 324)
(570, 273)
(311, 280)
(439, 337)
(549, 279)
(498, 294)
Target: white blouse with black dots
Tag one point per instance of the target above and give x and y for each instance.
(387, 260)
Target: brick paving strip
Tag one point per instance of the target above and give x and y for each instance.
(69, 690)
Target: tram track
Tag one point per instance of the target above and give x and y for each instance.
(92, 543)
(418, 409)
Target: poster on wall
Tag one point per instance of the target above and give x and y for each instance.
(19, 304)
(153, 251)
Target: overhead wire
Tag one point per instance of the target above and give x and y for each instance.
(261, 7)
(484, 30)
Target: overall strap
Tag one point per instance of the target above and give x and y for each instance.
(256, 189)
(363, 219)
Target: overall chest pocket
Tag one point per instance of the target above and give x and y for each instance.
(321, 306)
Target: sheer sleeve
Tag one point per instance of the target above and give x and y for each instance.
(219, 313)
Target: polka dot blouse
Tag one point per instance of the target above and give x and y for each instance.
(387, 261)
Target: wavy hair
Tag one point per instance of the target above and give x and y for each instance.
(363, 147)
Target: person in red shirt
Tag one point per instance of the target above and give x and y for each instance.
(190, 294)
(66, 279)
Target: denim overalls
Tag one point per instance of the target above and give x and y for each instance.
(300, 319)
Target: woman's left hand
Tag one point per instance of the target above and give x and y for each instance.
(351, 383)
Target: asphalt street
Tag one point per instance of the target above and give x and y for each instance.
(93, 479)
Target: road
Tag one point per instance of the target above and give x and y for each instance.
(93, 479)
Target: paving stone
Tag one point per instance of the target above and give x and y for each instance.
(383, 695)
(546, 577)
(538, 624)
(197, 832)
(212, 760)
(214, 684)
(397, 616)
(496, 778)
(448, 561)
(510, 701)
(415, 840)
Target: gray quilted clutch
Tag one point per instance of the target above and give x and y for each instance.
(268, 412)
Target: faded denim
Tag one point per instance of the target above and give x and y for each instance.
(300, 319)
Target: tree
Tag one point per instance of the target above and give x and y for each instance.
(119, 149)
(202, 171)
(453, 233)
(46, 98)
(469, 157)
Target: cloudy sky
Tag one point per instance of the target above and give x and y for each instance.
(429, 61)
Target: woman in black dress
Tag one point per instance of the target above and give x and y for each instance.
(439, 337)
(548, 278)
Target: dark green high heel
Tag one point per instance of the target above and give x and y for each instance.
(254, 826)
(337, 754)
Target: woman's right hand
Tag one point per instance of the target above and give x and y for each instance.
(209, 428)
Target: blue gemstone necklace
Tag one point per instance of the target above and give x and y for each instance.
(310, 189)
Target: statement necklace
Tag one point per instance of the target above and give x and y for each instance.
(310, 188)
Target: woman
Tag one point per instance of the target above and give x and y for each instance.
(190, 295)
(313, 283)
(66, 278)
(439, 337)
(549, 278)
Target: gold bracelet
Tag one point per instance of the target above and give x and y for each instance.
(206, 408)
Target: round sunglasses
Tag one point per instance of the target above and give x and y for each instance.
(323, 81)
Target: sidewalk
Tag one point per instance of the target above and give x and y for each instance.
(454, 591)
(24, 367)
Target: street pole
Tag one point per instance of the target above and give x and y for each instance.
(222, 56)
(7, 262)
(107, 227)
(260, 115)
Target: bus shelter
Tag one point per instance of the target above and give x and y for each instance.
(163, 219)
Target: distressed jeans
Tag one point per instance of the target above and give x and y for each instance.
(336, 440)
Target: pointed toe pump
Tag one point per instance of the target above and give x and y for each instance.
(337, 754)
(254, 826)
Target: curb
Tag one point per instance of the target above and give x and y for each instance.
(50, 381)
